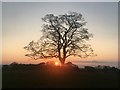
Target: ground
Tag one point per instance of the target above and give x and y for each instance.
(56, 77)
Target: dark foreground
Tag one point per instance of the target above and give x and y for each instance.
(57, 77)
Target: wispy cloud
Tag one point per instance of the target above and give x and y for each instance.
(93, 61)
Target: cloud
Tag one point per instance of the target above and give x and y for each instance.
(93, 61)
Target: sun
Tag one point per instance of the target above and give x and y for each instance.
(56, 63)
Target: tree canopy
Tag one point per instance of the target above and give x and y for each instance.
(62, 36)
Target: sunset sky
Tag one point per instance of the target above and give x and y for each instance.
(21, 23)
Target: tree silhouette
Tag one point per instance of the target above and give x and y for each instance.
(63, 36)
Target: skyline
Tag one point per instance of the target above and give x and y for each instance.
(22, 22)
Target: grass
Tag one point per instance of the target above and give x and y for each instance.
(58, 78)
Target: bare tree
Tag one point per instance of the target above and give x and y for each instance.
(63, 36)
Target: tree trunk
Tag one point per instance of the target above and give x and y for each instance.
(64, 54)
(62, 61)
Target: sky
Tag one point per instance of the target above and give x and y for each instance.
(60, 0)
(21, 23)
(0, 33)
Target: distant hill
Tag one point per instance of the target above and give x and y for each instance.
(44, 75)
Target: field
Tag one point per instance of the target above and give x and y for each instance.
(58, 78)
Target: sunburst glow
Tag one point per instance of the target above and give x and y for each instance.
(56, 63)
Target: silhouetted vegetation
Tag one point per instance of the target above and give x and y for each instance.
(48, 75)
(63, 36)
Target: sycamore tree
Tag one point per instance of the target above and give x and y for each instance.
(62, 36)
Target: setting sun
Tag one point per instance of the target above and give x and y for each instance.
(56, 63)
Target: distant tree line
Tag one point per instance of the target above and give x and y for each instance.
(67, 66)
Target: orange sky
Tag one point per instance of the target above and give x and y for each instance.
(22, 24)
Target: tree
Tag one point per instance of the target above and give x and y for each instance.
(63, 36)
(14, 63)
